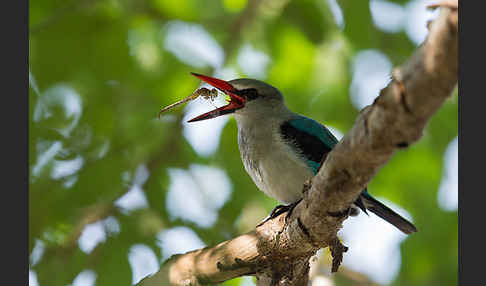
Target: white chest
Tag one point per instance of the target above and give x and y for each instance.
(273, 166)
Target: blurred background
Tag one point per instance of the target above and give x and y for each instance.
(114, 191)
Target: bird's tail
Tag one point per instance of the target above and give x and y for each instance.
(387, 214)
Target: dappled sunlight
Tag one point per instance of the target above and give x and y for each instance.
(337, 13)
(388, 16)
(33, 84)
(176, 240)
(143, 262)
(196, 195)
(102, 149)
(65, 168)
(418, 15)
(59, 108)
(95, 233)
(184, 200)
(374, 243)
(112, 226)
(85, 278)
(33, 278)
(193, 45)
(371, 73)
(37, 252)
(135, 198)
(448, 190)
(47, 151)
(253, 62)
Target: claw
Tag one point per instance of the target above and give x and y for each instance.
(280, 209)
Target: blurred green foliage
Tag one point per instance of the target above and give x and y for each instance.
(111, 55)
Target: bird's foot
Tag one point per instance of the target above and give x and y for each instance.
(351, 211)
(280, 209)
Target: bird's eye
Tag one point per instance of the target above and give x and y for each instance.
(251, 93)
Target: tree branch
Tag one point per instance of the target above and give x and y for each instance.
(277, 252)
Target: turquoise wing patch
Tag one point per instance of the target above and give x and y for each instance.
(316, 129)
(313, 140)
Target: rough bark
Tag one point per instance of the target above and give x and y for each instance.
(277, 252)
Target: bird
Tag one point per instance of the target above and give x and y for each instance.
(281, 149)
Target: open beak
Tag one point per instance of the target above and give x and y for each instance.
(235, 102)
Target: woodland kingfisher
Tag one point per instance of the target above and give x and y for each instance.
(280, 149)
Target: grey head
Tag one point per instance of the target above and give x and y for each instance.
(261, 98)
(255, 89)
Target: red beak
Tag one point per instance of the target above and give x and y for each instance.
(236, 101)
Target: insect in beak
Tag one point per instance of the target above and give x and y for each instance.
(235, 102)
(204, 92)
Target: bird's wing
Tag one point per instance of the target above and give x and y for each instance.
(314, 141)
(309, 138)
